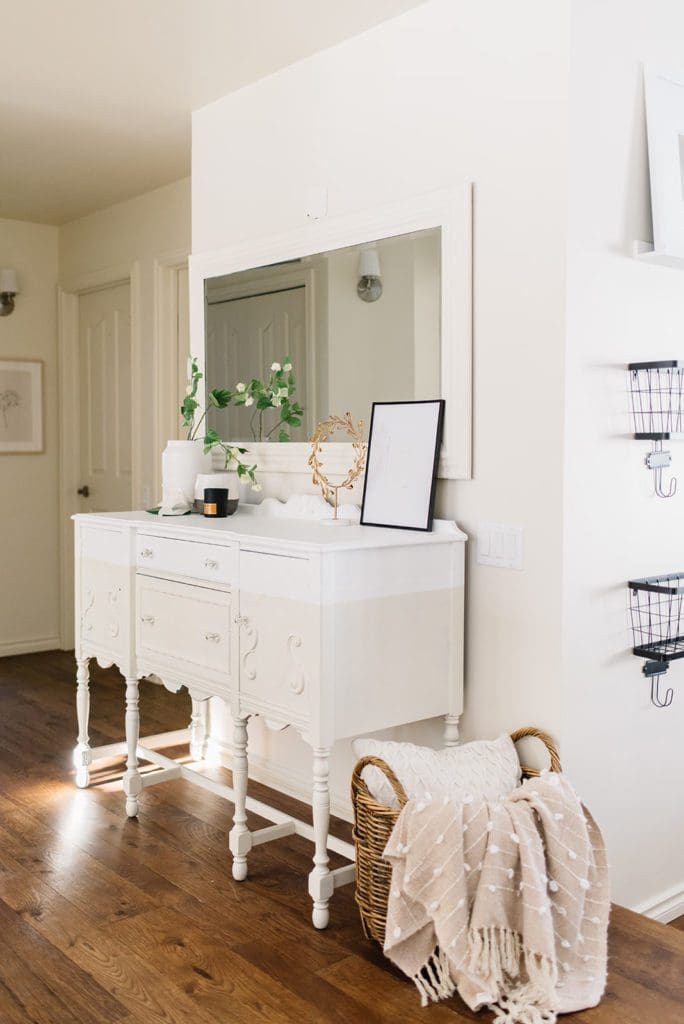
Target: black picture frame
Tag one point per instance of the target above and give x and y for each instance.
(399, 486)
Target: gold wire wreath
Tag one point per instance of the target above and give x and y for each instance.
(323, 433)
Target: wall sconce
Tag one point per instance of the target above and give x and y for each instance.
(8, 289)
(369, 288)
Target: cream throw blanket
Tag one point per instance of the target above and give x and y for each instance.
(505, 902)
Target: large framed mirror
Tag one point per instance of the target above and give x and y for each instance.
(373, 306)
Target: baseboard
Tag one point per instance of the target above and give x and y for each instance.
(280, 778)
(41, 643)
(667, 907)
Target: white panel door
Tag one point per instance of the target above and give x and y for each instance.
(105, 399)
(244, 337)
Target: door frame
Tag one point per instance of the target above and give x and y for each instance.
(68, 295)
(167, 415)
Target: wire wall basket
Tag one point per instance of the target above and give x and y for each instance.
(656, 607)
(657, 398)
(657, 393)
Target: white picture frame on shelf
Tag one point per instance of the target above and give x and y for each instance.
(401, 465)
(21, 406)
(664, 98)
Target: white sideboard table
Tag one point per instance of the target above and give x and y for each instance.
(334, 631)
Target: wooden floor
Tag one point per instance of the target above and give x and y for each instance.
(104, 919)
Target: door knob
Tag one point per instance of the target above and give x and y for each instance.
(85, 491)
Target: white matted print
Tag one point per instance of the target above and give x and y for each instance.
(664, 93)
(401, 468)
(21, 406)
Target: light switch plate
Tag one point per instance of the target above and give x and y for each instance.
(500, 546)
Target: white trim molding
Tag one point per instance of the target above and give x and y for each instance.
(166, 330)
(29, 646)
(449, 209)
(664, 908)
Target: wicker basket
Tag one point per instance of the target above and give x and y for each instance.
(373, 824)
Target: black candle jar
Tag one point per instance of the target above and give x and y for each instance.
(215, 502)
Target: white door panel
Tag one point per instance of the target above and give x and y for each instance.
(105, 399)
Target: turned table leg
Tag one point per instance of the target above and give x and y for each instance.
(82, 755)
(240, 840)
(132, 783)
(198, 729)
(321, 883)
(451, 734)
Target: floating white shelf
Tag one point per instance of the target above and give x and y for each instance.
(645, 251)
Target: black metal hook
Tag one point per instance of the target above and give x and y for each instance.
(655, 697)
(653, 670)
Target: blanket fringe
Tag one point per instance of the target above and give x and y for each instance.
(433, 981)
(496, 955)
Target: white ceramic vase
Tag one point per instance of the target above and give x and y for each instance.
(181, 462)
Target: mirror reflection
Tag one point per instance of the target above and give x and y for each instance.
(299, 341)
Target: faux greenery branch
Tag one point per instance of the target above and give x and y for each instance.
(276, 393)
(218, 398)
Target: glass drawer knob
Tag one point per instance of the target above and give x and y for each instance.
(147, 618)
(146, 553)
(214, 637)
(210, 563)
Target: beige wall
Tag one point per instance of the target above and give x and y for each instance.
(461, 91)
(625, 756)
(142, 230)
(28, 483)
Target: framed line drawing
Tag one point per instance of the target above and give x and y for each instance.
(401, 464)
(21, 406)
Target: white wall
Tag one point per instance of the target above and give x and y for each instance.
(626, 757)
(28, 483)
(149, 227)
(455, 91)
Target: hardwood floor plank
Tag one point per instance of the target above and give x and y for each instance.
(141, 921)
(45, 984)
(212, 972)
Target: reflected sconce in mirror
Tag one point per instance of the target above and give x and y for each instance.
(8, 289)
(369, 288)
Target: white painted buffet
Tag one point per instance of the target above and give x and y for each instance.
(336, 632)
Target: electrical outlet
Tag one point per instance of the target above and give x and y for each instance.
(500, 546)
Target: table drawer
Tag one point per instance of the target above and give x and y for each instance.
(183, 622)
(210, 562)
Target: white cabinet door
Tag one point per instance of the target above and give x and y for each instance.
(103, 579)
(279, 635)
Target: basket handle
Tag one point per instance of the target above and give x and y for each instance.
(551, 748)
(358, 784)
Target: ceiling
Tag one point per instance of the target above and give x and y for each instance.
(96, 95)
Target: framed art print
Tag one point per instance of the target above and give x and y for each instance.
(664, 95)
(401, 466)
(21, 406)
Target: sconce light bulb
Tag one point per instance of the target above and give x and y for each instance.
(369, 288)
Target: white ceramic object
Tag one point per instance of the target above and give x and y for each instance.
(182, 461)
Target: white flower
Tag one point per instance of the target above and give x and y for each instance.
(283, 392)
(233, 453)
(256, 487)
(188, 390)
(287, 367)
(275, 367)
(276, 401)
(249, 401)
(240, 388)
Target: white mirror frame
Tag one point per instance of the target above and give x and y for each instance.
(449, 209)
